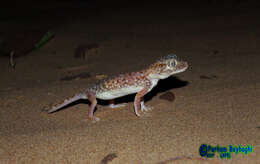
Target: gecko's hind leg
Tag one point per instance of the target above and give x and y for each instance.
(93, 101)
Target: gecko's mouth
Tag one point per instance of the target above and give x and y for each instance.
(180, 70)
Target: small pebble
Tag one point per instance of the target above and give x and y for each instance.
(208, 77)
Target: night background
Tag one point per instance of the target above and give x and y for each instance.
(50, 50)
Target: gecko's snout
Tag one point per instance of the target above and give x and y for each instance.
(182, 65)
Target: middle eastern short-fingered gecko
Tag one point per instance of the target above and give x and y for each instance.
(140, 82)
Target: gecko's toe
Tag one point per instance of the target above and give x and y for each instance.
(95, 119)
(92, 120)
(146, 108)
(138, 114)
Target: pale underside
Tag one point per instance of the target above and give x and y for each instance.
(115, 93)
(112, 94)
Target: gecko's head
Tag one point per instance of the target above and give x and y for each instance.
(167, 66)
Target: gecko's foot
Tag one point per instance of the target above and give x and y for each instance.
(145, 108)
(142, 109)
(116, 105)
(144, 113)
(137, 113)
(93, 119)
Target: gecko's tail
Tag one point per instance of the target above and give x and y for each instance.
(66, 102)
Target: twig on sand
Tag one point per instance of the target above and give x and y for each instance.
(12, 62)
(108, 158)
(76, 68)
(84, 51)
(78, 76)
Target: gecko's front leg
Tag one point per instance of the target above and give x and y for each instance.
(139, 103)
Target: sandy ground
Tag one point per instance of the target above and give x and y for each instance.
(216, 99)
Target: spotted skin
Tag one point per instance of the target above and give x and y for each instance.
(140, 82)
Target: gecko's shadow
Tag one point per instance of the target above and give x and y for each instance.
(165, 85)
(162, 86)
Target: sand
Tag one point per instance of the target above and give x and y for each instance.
(216, 101)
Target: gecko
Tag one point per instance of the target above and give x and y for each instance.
(139, 82)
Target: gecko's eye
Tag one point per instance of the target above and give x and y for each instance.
(173, 63)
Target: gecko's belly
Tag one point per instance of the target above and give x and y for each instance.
(108, 95)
